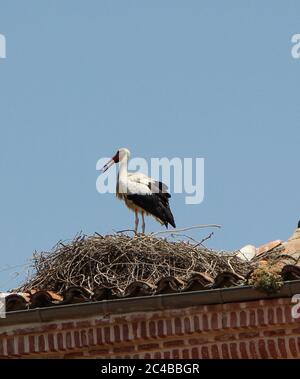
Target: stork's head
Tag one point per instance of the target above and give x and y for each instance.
(121, 154)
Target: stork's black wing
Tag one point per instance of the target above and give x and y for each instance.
(157, 204)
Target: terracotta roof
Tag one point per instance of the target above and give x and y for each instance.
(283, 256)
(167, 285)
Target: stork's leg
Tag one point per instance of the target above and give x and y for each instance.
(136, 222)
(143, 224)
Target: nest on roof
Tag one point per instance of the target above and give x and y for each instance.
(115, 261)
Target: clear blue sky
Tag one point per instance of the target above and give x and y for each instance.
(212, 79)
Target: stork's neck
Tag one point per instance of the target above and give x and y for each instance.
(123, 168)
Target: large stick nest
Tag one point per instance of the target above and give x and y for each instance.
(115, 261)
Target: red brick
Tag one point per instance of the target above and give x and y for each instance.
(51, 342)
(167, 355)
(279, 315)
(186, 354)
(144, 330)
(169, 327)
(243, 319)
(187, 325)
(272, 349)
(293, 348)
(148, 346)
(120, 319)
(205, 321)
(175, 354)
(124, 349)
(274, 332)
(148, 356)
(41, 343)
(271, 319)
(107, 334)
(195, 353)
(21, 345)
(10, 346)
(225, 320)
(99, 352)
(173, 343)
(69, 340)
(20, 331)
(83, 324)
(160, 328)
(277, 341)
(225, 351)
(91, 341)
(214, 321)
(233, 306)
(233, 320)
(252, 349)
(225, 337)
(233, 350)
(1, 347)
(178, 326)
(48, 327)
(84, 340)
(125, 332)
(288, 315)
(103, 322)
(152, 329)
(77, 338)
(215, 352)
(282, 347)
(196, 324)
(243, 350)
(252, 318)
(31, 344)
(60, 341)
(204, 352)
(198, 341)
(261, 316)
(248, 335)
(65, 325)
(251, 304)
(262, 349)
(99, 336)
(75, 354)
(135, 329)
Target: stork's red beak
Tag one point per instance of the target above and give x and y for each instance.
(107, 165)
(114, 159)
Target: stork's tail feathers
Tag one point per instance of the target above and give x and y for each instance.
(170, 220)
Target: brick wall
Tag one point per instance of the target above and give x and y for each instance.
(255, 329)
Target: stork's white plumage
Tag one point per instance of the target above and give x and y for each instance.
(141, 193)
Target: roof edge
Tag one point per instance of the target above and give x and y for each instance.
(147, 303)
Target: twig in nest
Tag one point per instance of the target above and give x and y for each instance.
(184, 229)
(204, 239)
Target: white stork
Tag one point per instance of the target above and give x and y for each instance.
(141, 193)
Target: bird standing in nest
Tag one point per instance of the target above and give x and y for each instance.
(141, 194)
